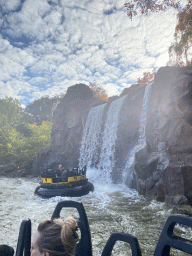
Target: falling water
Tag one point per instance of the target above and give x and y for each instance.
(89, 145)
(142, 139)
(107, 160)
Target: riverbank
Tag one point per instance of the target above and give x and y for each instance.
(12, 170)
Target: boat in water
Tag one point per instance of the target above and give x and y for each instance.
(70, 183)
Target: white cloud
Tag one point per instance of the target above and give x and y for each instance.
(47, 47)
(38, 80)
(7, 5)
(14, 88)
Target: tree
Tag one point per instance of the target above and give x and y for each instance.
(144, 6)
(10, 111)
(179, 50)
(11, 144)
(41, 110)
(15, 146)
(40, 138)
(98, 92)
(147, 78)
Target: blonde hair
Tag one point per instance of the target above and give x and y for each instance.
(58, 237)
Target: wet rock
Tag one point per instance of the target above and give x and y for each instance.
(176, 200)
(7, 169)
(173, 181)
(182, 209)
(160, 191)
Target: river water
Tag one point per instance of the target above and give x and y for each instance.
(110, 208)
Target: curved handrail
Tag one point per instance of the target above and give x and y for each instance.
(24, 239)
(167, 239)
(84, 247)
(121, 237)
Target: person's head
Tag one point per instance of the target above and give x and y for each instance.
(6, 250)
(55, 237)
(60, 166)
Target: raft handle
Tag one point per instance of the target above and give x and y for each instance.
(24, 239)
(167, 239)
(124, 238)
(84, 247)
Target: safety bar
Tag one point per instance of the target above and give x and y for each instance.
(168, 240)
(84, 247)
(24, 239)
(124, 238)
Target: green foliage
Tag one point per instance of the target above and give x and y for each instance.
(41, 110)
(145, 6)
(179, 50)
(15, 146)
(11, 144)
(40, 137)
(10, 111)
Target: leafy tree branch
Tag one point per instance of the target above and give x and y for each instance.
(134, 7)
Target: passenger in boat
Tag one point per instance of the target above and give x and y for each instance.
(84, 169)
(64, 175)
(59, 171)
(55, 237)
(61, 168)
(75, 171)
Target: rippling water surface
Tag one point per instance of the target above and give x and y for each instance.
(110, 208)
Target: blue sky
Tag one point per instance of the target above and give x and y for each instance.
(48, 45)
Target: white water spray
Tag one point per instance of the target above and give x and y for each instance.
(90, 142)
(107, 160)
(142, 138)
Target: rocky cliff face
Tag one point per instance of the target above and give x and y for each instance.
(68, 122)
(162, 167)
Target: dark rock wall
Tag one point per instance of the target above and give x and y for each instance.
(68, 122)
(128, 127)
(163, 167)
(168, 136)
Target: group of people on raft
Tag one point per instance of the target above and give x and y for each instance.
(62, 174)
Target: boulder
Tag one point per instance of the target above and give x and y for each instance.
(78, 91)
(8, 169)
(176, 200)
(182, 209)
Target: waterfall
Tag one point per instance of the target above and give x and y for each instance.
(107, 160)
(90, 141)
(142, 139)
